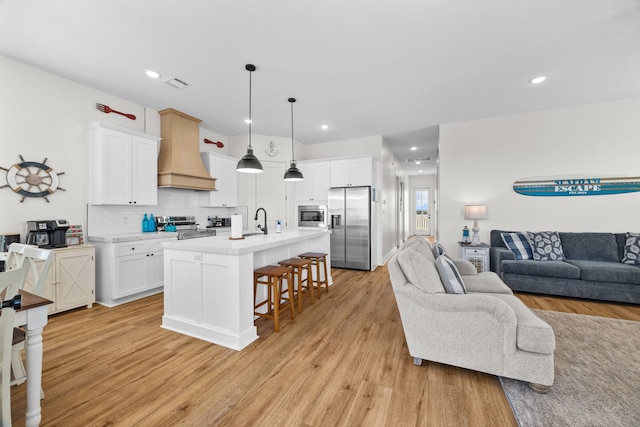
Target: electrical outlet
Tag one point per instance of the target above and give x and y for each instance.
(125, 220)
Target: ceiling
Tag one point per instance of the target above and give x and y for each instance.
(363, 67)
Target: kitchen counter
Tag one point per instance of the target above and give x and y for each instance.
(208, 282)
(131, 237)
(223, 245)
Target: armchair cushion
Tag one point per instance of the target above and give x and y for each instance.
(420, 271)
(486, 282)
(465, 267)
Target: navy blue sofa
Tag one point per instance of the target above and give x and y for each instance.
(591, 268)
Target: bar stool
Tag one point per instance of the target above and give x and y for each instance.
(272, 276)
(318, 258)
(299, 265)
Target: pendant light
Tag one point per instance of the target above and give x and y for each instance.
(293, 173)
(249, 163)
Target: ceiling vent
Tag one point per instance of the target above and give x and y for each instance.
(418, 160)
(177, 83)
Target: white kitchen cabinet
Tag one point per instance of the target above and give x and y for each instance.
(223, 169)
(129, 271)
(123, 166)
(71, 278)
(352, 172)
(316, 183)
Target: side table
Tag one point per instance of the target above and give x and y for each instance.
(478, 255)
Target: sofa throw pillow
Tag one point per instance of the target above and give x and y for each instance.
(518, 243)
(546, 246)
(438, 249)
(449, 275)
(632, 249)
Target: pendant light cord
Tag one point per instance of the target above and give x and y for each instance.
(250, 119)
(291, 101)
(293, 157)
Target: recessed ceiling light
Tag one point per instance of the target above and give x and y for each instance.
(538, 80)
(420, 171)
(414, 148)
(152, 74)
(418, 162)
(324, 127)
(247, 121)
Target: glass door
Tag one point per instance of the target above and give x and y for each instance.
(422, 211)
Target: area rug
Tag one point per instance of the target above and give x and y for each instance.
(597, 375)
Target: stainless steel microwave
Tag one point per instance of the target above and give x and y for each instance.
(312, 216)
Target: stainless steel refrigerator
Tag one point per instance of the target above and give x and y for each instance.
(350, 224)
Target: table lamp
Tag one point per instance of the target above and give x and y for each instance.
(475, 212)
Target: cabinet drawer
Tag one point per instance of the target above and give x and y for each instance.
(132, 248)
(477, 251)
(156, 245)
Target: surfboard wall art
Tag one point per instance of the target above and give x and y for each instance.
(575, 186)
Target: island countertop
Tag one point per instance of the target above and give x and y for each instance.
(208, 281)
(225, 246)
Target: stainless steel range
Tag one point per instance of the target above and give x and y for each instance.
(185, 222)
(185, 225)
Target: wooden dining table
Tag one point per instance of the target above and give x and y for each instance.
(33, 317)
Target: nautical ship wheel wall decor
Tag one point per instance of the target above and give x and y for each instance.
(32, 179)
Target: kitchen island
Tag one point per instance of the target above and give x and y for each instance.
(208, 282)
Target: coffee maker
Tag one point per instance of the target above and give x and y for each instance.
(48, 234)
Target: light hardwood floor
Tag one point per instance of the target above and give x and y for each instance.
(342, 362)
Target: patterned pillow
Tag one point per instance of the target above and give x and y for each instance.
(632, 249)
(519, 244)
(546, 246)
(438, 250)
(449, 275)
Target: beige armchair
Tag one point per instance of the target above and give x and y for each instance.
(486, 329)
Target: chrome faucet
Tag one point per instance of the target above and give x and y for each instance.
(263, 229)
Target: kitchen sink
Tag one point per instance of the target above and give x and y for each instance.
(194, 234)
(253, 233)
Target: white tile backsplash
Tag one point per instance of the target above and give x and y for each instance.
(116, 219)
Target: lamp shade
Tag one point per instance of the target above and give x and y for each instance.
(249, 163)
(293, 173)
(475, 212)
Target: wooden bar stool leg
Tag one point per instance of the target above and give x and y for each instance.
(291, 300)
(310, 287)
(298, 272)
(325, 280)
(277, 283)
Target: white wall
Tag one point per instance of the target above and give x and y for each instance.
(44, 116)
(368, 146)
(480, 160)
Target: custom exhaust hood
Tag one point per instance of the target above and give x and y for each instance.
(179, 162)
